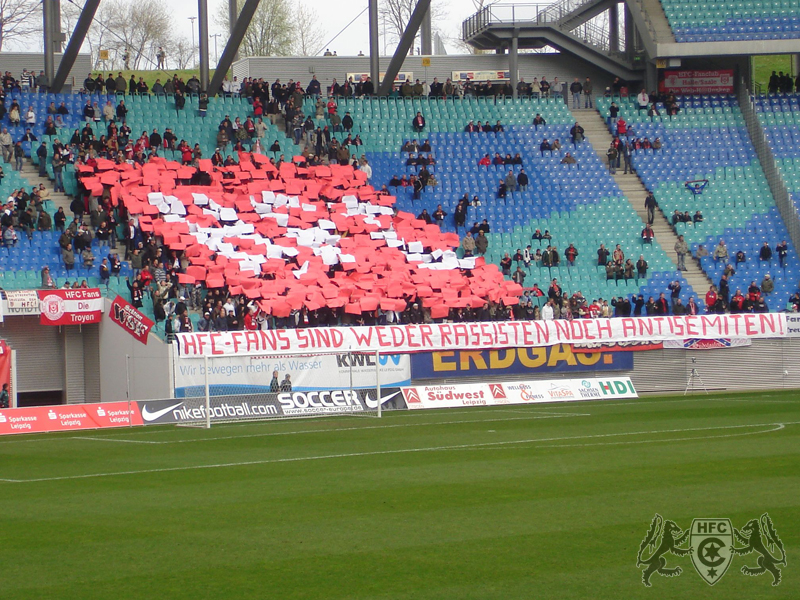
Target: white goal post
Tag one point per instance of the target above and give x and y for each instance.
(253, 387)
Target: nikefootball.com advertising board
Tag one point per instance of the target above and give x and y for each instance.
(281, 404)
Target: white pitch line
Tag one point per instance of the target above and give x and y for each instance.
(383, 452)
(242, 424)
(337, 429)
(110, 439)
(661, 440)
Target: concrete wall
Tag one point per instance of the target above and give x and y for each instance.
(566, 68)
(16, 61)
(149, 365)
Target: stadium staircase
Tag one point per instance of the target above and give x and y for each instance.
(709, 140)
(774, 125)
(634, 190)
(30, 173)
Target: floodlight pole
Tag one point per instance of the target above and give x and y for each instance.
(128, 388)
(48, 18)
(202, 12)
(233, 16)
(378, 379)
(374, 45)
(208, 392)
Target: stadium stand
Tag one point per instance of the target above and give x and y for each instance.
(780, 117)
(737, 20)
(578, 204)
(707, 140)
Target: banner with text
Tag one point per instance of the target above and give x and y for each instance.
(527, 392)
(21, 303)
(401, 77)
(699, 82)
(481, 76)
(717, 344)
(127, 316)
(43, 419)
(619, 346)
(70, 307)
(253, 374)
(515, 361)
(501, 334)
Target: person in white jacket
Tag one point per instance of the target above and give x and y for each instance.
(643, 100)
(366, 168)
(547, 311)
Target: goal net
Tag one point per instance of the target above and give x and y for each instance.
(225, 389)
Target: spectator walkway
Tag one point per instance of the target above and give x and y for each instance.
(634, 190)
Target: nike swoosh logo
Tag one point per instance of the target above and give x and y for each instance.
(374, 403)
(152, 416)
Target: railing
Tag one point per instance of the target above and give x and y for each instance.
(777, 185)
(650, 27)
(594, 35)
(590, 33)
(516, 13)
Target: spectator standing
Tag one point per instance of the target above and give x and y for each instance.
(612, 155)
(588, 88)
(41, 153)
(681, 250)
(720, 252)
(576, 89)
(481, 243)
(650, 206)
(522, 180)
(782, 249)
(418, 123)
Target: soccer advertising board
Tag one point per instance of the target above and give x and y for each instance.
(279, 404)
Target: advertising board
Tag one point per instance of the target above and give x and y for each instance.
(515, 361)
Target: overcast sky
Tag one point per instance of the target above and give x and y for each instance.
(333, 19)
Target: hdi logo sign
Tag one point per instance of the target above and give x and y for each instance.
(615, 386)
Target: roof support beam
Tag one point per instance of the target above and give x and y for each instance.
(232, 47)
(74, 45)
(403, 46)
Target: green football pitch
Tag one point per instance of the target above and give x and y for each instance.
(545, 501)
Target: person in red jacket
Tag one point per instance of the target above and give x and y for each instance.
(711, 298)
(249, 320)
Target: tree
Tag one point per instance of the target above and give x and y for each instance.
(19, 21)
(139, 28)
(397, 13)
(181, 54)
(310, 35)
(270, 32)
